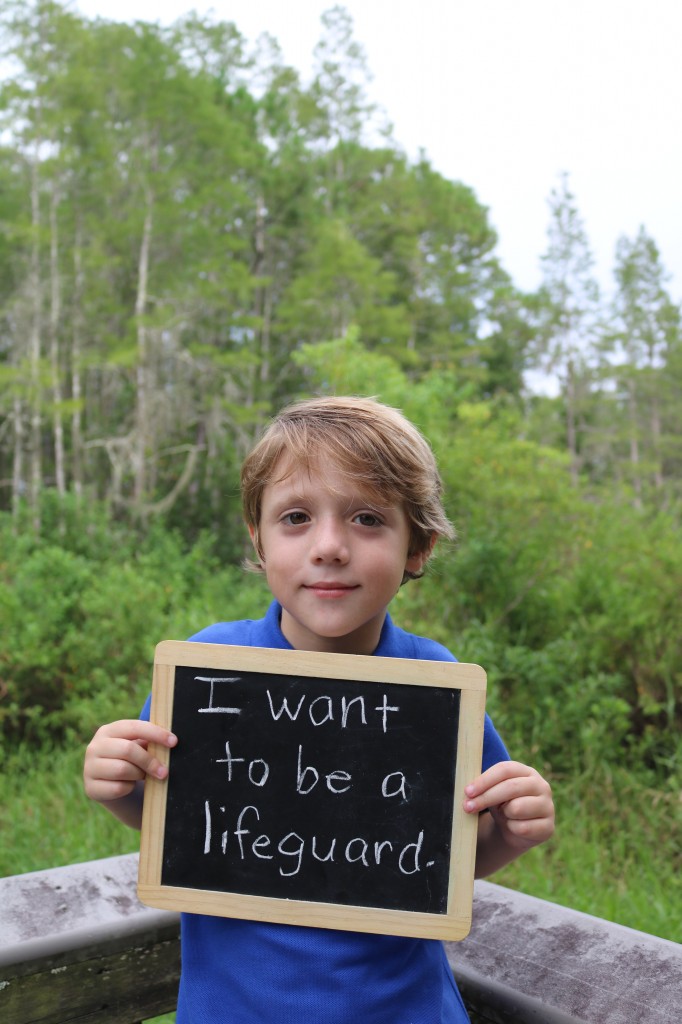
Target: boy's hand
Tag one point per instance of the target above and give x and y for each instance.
(117, 758)
(520, 804)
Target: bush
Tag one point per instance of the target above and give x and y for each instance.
(79, 628)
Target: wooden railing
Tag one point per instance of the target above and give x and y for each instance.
(76, 945)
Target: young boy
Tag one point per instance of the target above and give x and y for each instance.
(342, 499)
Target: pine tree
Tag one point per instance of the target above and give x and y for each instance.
(647, 333)
(569, 309)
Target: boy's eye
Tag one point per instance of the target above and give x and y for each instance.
(295, 518)
(367, 519)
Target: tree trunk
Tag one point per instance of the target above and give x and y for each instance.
(18, 484)
(265, 340)
(634, 445)
(655, 425)
(55, 312)
(34, 349)
(142, 438)
(571, 431)
(76, 380)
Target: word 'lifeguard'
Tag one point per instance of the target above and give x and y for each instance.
(356, 850)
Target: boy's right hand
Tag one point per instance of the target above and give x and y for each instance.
(117, 758)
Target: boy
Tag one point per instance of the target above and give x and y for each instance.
(342, 499)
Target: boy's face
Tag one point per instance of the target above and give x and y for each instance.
(332, 558)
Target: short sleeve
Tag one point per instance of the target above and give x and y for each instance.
(494, 749)
(146, 710)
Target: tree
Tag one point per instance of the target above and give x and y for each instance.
(339, 88)
(44, 44)
(184, 215)
(569, 310)
(647, 331)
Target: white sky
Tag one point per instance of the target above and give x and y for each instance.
(504, 95)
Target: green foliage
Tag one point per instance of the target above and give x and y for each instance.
(345, 366)
(80, 621)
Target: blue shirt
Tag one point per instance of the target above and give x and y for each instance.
(250, 972)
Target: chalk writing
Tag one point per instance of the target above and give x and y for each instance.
(212, 709)
(299, 788)
(325, 713)
(357, 850)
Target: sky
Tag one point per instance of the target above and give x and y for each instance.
(505, 95)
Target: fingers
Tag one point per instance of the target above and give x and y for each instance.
(504, 782)
(522, 834)
(519, 799)
(117, 758)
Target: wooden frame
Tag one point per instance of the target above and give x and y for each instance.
(452, 924)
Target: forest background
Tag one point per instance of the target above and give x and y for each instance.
(192, 237)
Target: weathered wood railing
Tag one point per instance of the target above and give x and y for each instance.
(76, 945)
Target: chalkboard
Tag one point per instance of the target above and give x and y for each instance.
(315, 789)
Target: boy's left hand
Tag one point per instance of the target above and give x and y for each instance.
(519, 800)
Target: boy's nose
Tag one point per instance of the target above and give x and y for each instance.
(330, 542)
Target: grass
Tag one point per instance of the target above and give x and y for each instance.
(617, 852)
(47, 821)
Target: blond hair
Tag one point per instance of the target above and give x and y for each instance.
(372, 443)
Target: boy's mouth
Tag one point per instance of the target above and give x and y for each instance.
(331, 588)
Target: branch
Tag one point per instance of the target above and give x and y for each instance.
(165, 504)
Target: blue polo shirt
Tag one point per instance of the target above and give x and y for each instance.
(250, 972)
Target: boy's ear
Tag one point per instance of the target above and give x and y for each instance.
(255, 540)
(416, 562)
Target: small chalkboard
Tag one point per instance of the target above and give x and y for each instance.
(314, 789)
